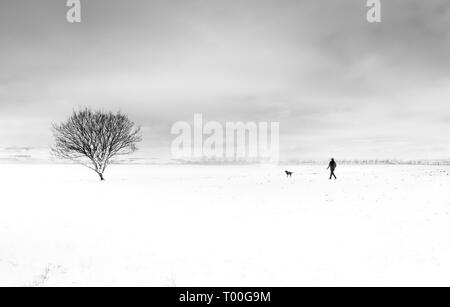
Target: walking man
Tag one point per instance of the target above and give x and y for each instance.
(332, 166)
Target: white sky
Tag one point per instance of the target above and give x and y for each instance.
(338, 85)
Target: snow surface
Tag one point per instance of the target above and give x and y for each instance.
(224, 226)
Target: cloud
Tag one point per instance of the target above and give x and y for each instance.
(334, 81)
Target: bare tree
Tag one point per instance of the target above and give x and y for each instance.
(93, 139)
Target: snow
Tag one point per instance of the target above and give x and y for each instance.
(162, 225)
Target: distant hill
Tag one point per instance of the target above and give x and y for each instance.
(24, 155)
(42, 155)
(376, 162)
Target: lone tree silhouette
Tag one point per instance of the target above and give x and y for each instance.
(93, 139)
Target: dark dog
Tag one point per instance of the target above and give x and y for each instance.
(289, 174)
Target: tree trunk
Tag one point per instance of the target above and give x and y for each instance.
(101, 177)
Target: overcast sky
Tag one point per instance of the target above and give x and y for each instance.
(338, 85)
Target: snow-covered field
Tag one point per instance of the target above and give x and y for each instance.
(224, 226)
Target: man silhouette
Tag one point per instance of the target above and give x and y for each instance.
(332, 166)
